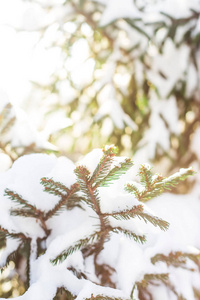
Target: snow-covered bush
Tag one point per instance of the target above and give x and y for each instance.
(93, 231)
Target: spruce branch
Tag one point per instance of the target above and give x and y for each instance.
(177, 259)
(138, 211)
(155, 185)
(93, 238)
(146, 176)
(64, 200)
(79, 274)
(157, 222)
(151, 278)
(131, 188)
(18, 198)
(54, 187)
(154, 279)
(14, 235)
(24, 213)
(115, 173)
(90, 193)
(11, 257)
(27, 210)
(104, 165)
(174, 179)
(129, 234)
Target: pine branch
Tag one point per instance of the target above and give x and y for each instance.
(14, 235)
(17, 198)
(156, 185)
(77, 246)
(74, 201)
(24, 213)
(151, 278)
(115, 173)
(157, 222)
(132, 189)
(146, 176)
(82, 243)
(77, 273)
(129, 234)
(137, 211)
(91, 194)
(194, 258)
(104, 165)
(64, 200)
(11, 257)
(54, 187)
(174, 179)
(177, 259)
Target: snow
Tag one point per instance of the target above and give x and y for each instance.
(119, 9)
(5, 162)
(113, 109)
(63, 172)
(11, 246)
(131, 260)
(163, 111)
(91, 160)
(113, 199)
(165, 63)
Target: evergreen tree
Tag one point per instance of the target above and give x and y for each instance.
(85, 198)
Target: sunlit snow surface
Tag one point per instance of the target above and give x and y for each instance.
(131, 260)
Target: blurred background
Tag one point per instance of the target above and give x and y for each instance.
(78, 74)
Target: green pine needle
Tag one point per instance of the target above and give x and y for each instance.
(116, 173)
(19, 199)
(151, 278)
(104, 165)
(77, 246)
(24, 213)
(14, 235)
(131, 188)
(155, 185)
(90, 194)
(63, 202)
(137, 211)
(146, 176)
(177, 259)
(129, 234)
(54, 187)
